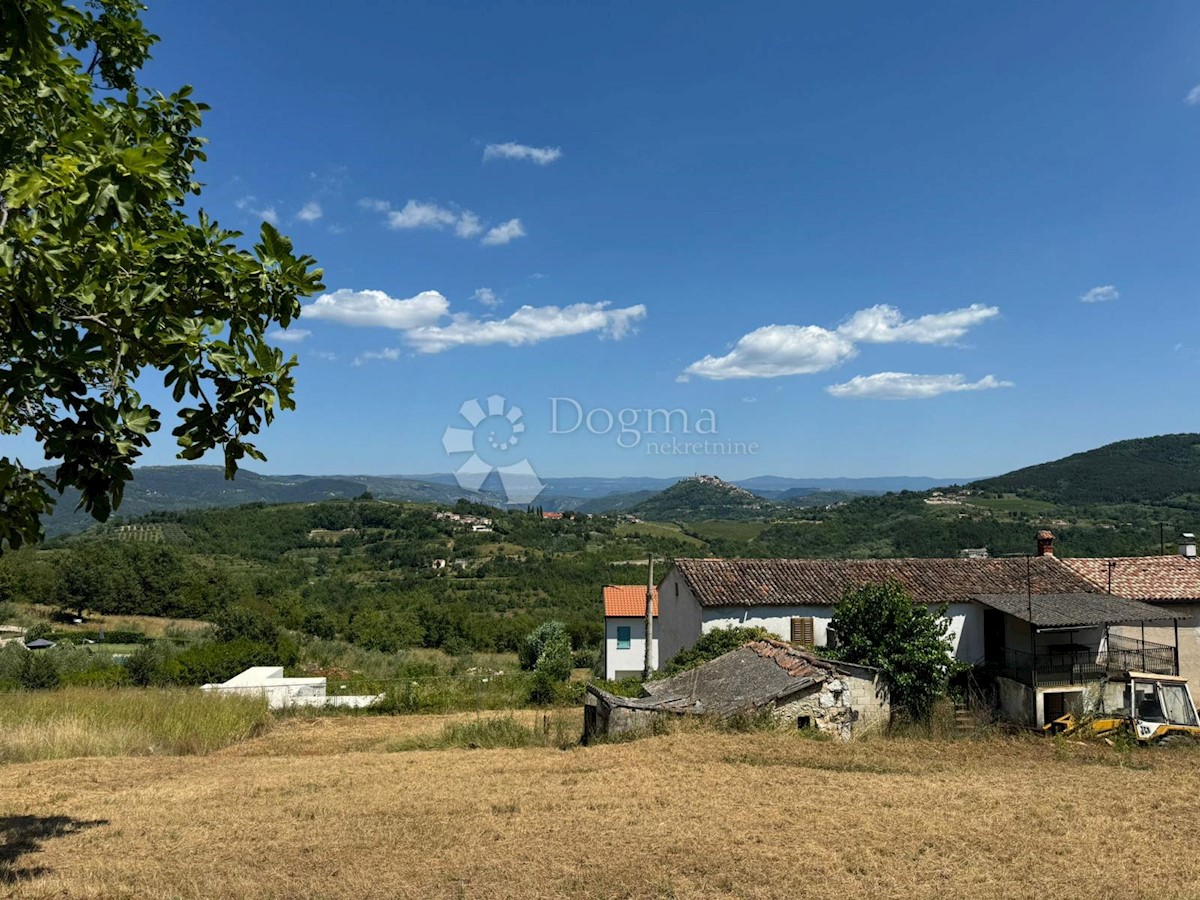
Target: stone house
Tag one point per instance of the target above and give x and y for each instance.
(797, 687)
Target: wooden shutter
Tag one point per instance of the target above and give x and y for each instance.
(802, 632)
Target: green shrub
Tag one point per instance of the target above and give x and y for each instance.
(38, 671)
(216, 661)
(715, 643)
(535, 642)
(881, 625)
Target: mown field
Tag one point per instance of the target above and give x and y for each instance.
(347, 808)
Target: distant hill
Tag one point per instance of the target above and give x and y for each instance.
(803, 498)
(702, 498)
(177, 488)
(1145, 470)
(767, 485)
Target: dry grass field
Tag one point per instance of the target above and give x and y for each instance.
(329, 807)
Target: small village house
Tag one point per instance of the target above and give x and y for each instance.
(625, 631)
(1042, 629)
(798, 688)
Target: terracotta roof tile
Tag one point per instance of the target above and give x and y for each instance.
(627, 600)
(788, 582)
(1142, 577)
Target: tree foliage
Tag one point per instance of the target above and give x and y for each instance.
(535, 643)
(104, 275)
(881, 625)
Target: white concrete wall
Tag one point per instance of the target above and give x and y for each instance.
(679, 616)
(268, 681)
(966, 629)
(630, 662)
(776, 619)
(966, 624)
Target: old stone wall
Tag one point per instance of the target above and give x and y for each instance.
(841, 707)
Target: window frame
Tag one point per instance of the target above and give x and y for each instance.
(626, 642)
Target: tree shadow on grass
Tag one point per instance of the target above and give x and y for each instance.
(23, 835)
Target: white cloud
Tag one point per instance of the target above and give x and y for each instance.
(309, 212)
(1193, 97)
(391, 354)
(325, 354)
(468, 225)
(249, 204)
(417, 214)
(421, 215)
(504, 233)
(903, 386)
(776, 350)
(486, 296)
(749, 399)
(885, 324)
(542, 156)
(1100, 294)
(528, 325)
(375, 308)
(291, 335)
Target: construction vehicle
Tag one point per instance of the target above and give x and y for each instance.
(1155, 707)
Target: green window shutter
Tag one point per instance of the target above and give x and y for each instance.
(623, 637)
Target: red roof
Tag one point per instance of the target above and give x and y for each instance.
(799, 582)
(627, 600)
(1143, 577)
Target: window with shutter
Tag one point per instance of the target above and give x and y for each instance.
(803, 633)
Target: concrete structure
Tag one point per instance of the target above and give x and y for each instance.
(625, 631)
(799, 689)
(269, 682)
(1049, 654)
(1171, 583)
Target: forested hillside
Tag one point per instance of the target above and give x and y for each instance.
(697, 499)
(384, 575)
(1145, 470)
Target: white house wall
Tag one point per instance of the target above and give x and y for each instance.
(775, 619)
(966, 630)
(966, 624)
(679, 616)
(631, 662)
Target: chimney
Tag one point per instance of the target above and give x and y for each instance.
(1187, 545)
(1045, 543)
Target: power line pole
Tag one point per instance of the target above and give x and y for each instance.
(649, 618)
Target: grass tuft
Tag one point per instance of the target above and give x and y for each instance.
(76, 722)
(496, 733)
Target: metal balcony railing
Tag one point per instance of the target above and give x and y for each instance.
(1049, 668)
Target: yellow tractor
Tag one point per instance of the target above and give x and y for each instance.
(1155, 707)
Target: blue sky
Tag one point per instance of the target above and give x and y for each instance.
(858, 233)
